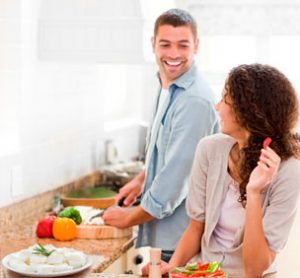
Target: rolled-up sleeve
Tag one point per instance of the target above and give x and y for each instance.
(190, 122)
(196, 204)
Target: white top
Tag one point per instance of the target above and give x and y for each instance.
(232, 218)
(208, 189)
(162, 99)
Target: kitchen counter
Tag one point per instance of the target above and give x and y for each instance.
(17, 231)
(111, 249)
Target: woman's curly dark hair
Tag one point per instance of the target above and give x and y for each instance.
(266, 104)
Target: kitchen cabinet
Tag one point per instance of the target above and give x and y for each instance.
(119, 266)
(130, 262)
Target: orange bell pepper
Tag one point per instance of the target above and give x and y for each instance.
(64, 229)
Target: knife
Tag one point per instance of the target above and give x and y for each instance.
(99, 214)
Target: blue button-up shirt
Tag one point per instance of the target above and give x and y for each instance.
(187, 115)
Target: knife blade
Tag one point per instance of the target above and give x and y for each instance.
(99, 214)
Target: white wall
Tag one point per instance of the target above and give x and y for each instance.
(52, 113)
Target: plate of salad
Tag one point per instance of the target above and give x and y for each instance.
(198, 269)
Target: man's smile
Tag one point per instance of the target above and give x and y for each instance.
(173, 63)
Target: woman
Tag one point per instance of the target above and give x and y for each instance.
(242, 199)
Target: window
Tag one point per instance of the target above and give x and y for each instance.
(284, 54)
(121, 88)
(218, 54)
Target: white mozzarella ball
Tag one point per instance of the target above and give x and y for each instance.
(55, 258)
(75, 259)
(37, 259)
(31, 248)
(44, 268)
(50, 247)
(65, 250)
(13, 262)
(32, 267)
(62, 267)
(23, 255)
(21, 267)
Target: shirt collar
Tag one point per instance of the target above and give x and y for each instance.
(184, 80)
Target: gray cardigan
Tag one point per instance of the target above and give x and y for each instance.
(208, 186)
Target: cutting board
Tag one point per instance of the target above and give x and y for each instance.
(101, 231)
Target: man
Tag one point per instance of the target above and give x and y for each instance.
(184, 113)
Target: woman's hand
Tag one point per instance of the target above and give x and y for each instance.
(164, 267)
(264, 172)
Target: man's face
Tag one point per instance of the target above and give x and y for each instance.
(174, 48)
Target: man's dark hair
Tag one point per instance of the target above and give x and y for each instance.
(175, 18)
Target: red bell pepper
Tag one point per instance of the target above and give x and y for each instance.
(218, 273)
(44, 226)
(267, 142)
(203, 266)
(198, 273)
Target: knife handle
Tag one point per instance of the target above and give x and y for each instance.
(121, 202)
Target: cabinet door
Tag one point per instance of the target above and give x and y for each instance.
(137, 258)
(118, 266)
(130, 262)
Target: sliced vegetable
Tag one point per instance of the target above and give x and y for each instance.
(73, 213)
(186, 271)
(194, 266)
(267, 142)
(178, 269)
(214, 266)
(198, 270)
(199, 273)
(218, 273)
(203, 266)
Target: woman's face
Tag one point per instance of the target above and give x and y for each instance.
(228, 121)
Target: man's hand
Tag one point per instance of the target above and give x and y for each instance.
(117, 217)
(131, 190)
(126, 217)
